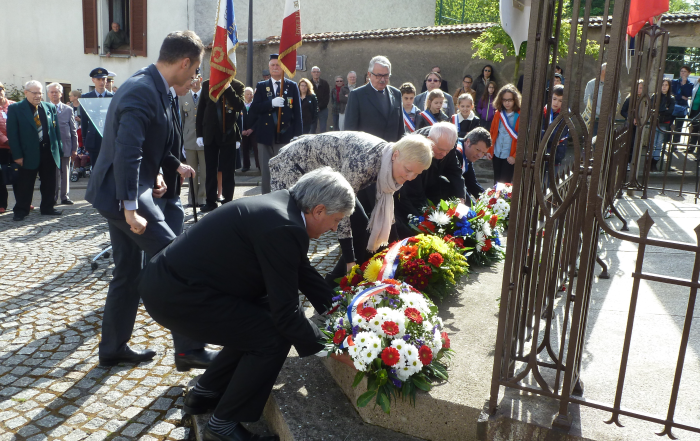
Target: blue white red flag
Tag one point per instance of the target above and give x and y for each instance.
(223, 51)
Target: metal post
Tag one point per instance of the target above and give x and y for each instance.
(249, 63)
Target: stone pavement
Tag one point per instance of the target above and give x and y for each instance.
(51, 386)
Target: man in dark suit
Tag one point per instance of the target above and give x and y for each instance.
(442, 180)
(375, 108)
(139, 133)
(277, 108)
(218, 131)
(474, 146)
(35, 142)
(247, 301)
(92, 140)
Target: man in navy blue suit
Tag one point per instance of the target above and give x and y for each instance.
(277, 107)
(138, 136)
(92, 140)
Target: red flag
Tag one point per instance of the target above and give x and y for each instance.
(642, 11)
(291, 37)
(223, 51)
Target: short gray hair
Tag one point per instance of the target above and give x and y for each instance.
(326, 187)
(477, 135)
(352, 72)
(315, 67)
(445, 130)
(380, 60)
(415, 148)
(56, 85)
(31, 83)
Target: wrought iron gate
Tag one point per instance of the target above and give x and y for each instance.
(559, 213)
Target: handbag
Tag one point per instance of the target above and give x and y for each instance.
(9, 173)
(679, 111)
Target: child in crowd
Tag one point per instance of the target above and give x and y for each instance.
(410, 111)
(550, 114)
(465, 119)
(504, 133)
(484, 108)
(433, 113)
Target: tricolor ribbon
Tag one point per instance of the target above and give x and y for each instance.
(410, 126)
(363, 296)
(428, 117)
(391, 261)
(460, 149)
(511, 131)
(455, 120)
(461, 210)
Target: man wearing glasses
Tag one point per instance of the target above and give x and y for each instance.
(375, 108)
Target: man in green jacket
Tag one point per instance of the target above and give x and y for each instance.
(35, 142)
(115, 39)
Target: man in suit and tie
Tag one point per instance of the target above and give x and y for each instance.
(69, 139)
(92, 140)
(194, 154)
(375, 108)
(35, 142)
(247, 301)
(139, 134)
(277, 108)
(217, 132)
(474, 147)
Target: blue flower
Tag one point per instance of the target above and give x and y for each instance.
(355, 330)
(337, 298)
(471, 214)
(421, 218)
(497, 241)
(340, 322)
(396, 382)
(406, 337)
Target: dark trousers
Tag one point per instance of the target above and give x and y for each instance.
(220, 158)
(249, 143)
(502, 171)
(24, 187)
(254, 350)
(358, 224)
(5, 159)
(93, 154)
(336, 121)
(694, 131)
(679, 126)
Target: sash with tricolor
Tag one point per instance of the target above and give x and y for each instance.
(410, 126)
(460, 149)
(511, 131)
(359, 299)
(455, 121)
(428, 117)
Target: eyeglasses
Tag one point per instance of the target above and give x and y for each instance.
(432, 80)
(338, 81)
(507, 100)
(487, 70)
(35, 93)
(381, 76)
(467, 81)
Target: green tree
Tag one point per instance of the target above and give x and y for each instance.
(465, 11)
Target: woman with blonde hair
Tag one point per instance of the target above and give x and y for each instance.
(309, 104)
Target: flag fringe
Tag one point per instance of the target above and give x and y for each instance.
(284, 54)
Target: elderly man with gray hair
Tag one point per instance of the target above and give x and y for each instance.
(375, 108)
(32, 132)
(247, 301)
(69, 138)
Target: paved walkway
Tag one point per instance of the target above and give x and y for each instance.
(51, 386)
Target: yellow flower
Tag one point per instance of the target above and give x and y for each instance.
(372, 270)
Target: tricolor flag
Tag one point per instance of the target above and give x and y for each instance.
(643, 11)
(291, 37)
(223, 51)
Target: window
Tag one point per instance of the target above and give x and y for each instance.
(98, 16)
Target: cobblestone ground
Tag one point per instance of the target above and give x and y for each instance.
(51, 386)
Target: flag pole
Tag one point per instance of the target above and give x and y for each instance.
(249, 67)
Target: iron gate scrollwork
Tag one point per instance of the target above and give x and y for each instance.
(559, 211)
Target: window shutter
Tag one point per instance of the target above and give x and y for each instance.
(138, 27)
(90, 26)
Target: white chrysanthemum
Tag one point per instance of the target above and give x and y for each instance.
(415, 365)
(415, 300)
(359, 365)
(439, 217)
(436, 342)
(368, 355)
(402, 372)
(409, 353)
(354, 351)
(375, 324)
(480, 240)
(398, 344)
(375, 344)
(363, 338)
(358, 320)
(486, 229)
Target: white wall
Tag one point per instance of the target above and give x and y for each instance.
(46, 48)
(318, 16)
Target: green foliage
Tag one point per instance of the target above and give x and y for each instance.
(465, 11)
(14, 93)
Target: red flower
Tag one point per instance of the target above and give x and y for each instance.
(445, 340)
(408, 252)
(367, 313)
(448, 238)
(333, 309)
(451, 211)
(390, 356)
(493, 221)
(492, 201)
(426, 226)
(481, 213)
(390, 328)
(459, 242)
(391, 281)
(414, 315)
(421, 281)
(426, 270)
(491, 192)
(436, 259)
(487, 245)
(339, 336)
(392, 290)
(413, 240)
(425, 355)
(344, 283)
(356, 279)
(364, 266)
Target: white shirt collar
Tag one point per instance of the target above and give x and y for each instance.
(370, 83)
(303, 218)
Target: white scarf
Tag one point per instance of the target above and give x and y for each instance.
(383, 214)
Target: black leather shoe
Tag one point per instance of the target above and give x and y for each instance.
(19, 217)
(197, 359)
(67, 202)
(220, 199)
(196, 404)
(245, 169)
(52, 213)
(240, 433)
(128, 355)
(208, 207)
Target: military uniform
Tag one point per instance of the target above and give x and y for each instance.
(92, 140)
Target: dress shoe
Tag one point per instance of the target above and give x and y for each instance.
(220, 199)
(67, 202)
(240, 433)
(196, 404)
(128, 355)
(208, 207)
(52, 213)
(200, 206)
(245, 169)
(19, 217)
(196, 359)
